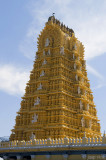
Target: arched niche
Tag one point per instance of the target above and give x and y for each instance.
(50, 37)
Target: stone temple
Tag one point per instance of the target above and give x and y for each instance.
(57, 119)
(58, 101)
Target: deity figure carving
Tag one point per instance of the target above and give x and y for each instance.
(42, 74)
(62, 50)
(37, 102)
(75, 66)
(73, 56)
(34, 118)
(82, 79)
(65, 155)
(44, 62)
(47, 42)
(75, 46)
(48, 53)
(80, 68)
(43, 52)
(40, 87)
(83, 156)
(79, 91)
(81, 105)
(76, 77)
(32, 137)
(82, 122)
(58, 78)
(90, 123)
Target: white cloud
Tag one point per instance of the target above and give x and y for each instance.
(13, 80)
(92, 34)
(100, 85)
(100, 80)
(87, 18)
(94, 72)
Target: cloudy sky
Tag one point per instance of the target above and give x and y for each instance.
(20, 23)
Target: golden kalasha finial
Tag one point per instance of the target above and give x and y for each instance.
(53, 14)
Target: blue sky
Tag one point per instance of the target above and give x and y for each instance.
(20, 23)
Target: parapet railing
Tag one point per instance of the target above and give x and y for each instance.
(54, 142)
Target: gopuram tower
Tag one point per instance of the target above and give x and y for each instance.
(58, 101)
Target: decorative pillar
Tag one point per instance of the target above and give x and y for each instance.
(48, 156)
(32, 157)
(66, 141)
(84, 139)
(49, 141)
(19, 157)
(83, 156)
(103, 156)
(5, 157)
(65, 156)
